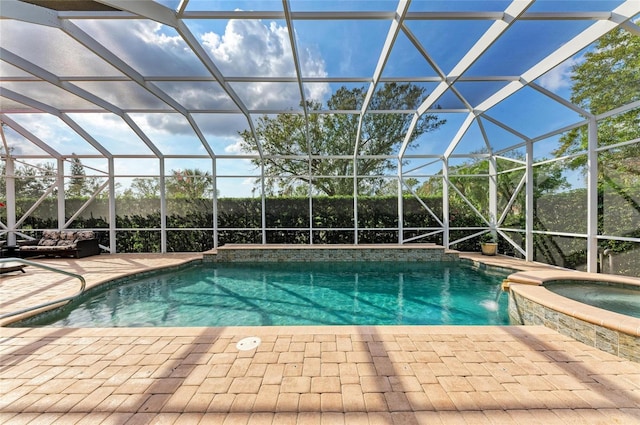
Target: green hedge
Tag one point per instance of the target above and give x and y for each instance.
(566, 212)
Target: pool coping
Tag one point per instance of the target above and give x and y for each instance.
(531, 303)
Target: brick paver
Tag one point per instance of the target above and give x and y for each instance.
(239, 387)
(314, 375)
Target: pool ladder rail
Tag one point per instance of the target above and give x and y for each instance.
(83, 285)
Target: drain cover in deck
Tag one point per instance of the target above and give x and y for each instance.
(248, 343)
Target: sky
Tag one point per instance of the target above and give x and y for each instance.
(243, 48)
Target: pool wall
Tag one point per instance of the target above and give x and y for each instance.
(235, 253)
(530, 303)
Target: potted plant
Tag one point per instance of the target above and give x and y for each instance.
(488, 244)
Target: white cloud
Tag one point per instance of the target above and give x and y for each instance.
(249, 47)
(234, 148)
(252, 48)
(560, 76)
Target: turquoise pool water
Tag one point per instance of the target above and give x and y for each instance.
(292, 294)
(619, 298)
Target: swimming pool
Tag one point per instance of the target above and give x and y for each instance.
(268, 294)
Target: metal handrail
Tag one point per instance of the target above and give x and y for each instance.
(47, 304)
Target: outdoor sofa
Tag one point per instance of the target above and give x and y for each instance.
(82, 243)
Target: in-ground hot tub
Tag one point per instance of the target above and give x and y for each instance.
(545, 298)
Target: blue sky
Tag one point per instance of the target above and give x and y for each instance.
(242, 48)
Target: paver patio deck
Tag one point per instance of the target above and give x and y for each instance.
(314, 375)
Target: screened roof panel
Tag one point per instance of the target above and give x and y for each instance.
(9, 71)
(477, 92)
(112, 133)
(429, 167)
(51, 95)
(126, 95)
(558, 80)
(316, 91)
(152, 49)
(172, 4)
(516, 111)
(575, 6)
(464, 6)
(221, 131)
(436, 142)
(20, 145)
(450, 100)
(226, 5)
(198, 95)
(391, 103)
(266, 95)
(34, 43)
(508, 56)
(406, 60)
(248, 47)
(135, 167)
(170, 133)
(340, 48)
(9, 106)
(335, 91)
(472, 141)
(499, 137)
(153, 81)
(55, 133)
(447, 41)
(344, 5)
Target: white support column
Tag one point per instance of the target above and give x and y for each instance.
(355, 200)
(163, 209)
(400, 204)
(445, 202)
(592, 197)
(60, 184)
(214, 168)
(493, 194)
(529, 201)
(112, 207)
(11, 199)
(263, 208)
(310, 194)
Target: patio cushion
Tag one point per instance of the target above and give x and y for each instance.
(84, 235)
(67, 236)
(51, 234)
(47, 242)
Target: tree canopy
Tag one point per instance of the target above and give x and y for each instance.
(330, 134)
(189, 183)
(470, 180)
(609, 77)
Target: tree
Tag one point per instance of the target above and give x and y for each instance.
(548, 180)
(77, 183)
(145, 188)
(335, 134)
(33, 180)
(608, 78)
(190, 184)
